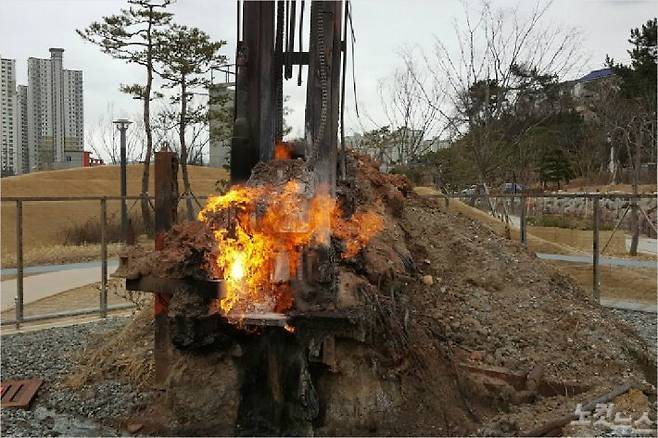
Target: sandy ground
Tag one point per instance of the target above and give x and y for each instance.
(85, 297)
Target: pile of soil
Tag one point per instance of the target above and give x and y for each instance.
(442, 295)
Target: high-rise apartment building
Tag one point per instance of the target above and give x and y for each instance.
(54, 113)
(22, 146)
(8, 116)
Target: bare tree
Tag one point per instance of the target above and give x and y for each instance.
(488, 78)
(104, 138)
(412, 119)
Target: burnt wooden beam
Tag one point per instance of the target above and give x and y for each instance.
(253, 129)
(204, 288)
(166, 206)
(322, 92)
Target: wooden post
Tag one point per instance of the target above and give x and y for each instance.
(166, 205)
(524, 232)
(19, 263)
(595, 249)
(103, 220)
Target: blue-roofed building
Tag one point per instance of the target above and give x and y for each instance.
(596, 75)
(584, 87)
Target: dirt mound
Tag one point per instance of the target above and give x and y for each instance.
(451, 307)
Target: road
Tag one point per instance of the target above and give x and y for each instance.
(36, 287)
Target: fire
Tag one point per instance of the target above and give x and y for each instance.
(261, 232)
(282, 152)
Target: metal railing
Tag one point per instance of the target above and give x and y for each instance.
(596, 218)
(103, 307)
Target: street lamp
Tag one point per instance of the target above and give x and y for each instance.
(122, 126)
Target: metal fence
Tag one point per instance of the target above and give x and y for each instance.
(103, 307)
(514, 209)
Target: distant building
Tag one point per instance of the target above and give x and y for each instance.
(22, 145)
(8, 134)
(220, 123)
(582, 87)
(55, 113)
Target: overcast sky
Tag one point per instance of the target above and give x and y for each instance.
(29, 27)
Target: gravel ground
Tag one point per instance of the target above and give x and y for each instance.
(644, 324)
(47, 354)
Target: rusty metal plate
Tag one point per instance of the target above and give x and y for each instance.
(18, 393)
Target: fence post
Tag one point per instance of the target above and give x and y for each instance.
(524, 232)
(19, 263)
(595, 249)
(103, 297)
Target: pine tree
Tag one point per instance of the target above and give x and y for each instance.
(130, 36)
(186, 54)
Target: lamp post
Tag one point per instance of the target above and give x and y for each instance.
(122, 125)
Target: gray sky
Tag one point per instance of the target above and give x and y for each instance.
(29, 27)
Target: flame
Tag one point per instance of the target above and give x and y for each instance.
(289, 328)
(261, 232)
(282, 152)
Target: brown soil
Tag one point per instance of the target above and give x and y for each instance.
(436, 290)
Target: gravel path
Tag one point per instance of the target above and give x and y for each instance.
(644, 324)
(47, 354)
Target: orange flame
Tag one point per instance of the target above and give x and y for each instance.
(260, 233)
(282, 152)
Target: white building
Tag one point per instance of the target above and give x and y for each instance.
(8, 134)
(54, 112)
(220, 123)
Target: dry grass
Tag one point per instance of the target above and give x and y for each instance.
(45, 222)
(634, 284)
(110, 357)
(56, 254)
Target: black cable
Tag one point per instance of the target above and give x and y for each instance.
(356, 102)
(343, 166)
(301, 39)
(291, 41)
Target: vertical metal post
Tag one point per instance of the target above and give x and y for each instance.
(19, 263)
(524, 231)
(166, 204)
(595, 249)
(124, 187)
(103, 297)
(122, 125)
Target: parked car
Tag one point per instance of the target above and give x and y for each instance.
(475, 189)
(513, 188)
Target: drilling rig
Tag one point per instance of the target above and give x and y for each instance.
(266, 55)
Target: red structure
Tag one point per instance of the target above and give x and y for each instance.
(89, 161)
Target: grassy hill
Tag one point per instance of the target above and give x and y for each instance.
(44, 222)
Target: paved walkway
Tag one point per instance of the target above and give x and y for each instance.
(605, 261)
(36, 287)
(52, 268)
(644, 245)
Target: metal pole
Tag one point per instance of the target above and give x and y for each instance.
(595, 250)
(19, 263)
(524, 231)
(124, 208)
(103, 298)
